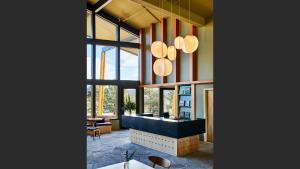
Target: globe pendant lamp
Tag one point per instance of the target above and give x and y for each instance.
(171, 52)
(159, 49)
(162, 67)
(190, 44)
(178, 42)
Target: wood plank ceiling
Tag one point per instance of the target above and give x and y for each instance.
(140, 15)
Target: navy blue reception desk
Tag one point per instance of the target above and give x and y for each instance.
(166, 127)
(176, 137)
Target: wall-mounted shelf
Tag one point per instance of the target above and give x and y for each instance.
(184, 101)
(184, 94)
(177, 83)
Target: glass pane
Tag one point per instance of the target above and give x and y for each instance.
(89, 102)
(129, 101)
(89, 62)
(127, 36)
(106, 101)
(129, 64)
(106, 62)
(105, 30)
(151, 101)
(89, 24)
(169, 102)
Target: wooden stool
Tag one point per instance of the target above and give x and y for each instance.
(93, 131)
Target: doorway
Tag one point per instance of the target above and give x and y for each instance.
(129, 101)
(209, 114)
(167, 102)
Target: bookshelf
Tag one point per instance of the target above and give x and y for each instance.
(184, 101)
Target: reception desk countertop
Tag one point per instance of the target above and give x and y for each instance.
(164, 126)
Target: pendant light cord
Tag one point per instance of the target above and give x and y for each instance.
(172, 19)
(189, 11)
(179, 10)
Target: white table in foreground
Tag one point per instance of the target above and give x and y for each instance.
(133, 164)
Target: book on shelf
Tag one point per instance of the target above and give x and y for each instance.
(181, 103)
(187, 90)
(187, 103)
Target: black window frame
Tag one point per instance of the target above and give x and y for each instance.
(118, 44)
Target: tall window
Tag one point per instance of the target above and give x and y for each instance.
(151, 101)
(88, 24)
(106, 61)
(89, 62)
(112, 56)
(129, 64)
(126, 36)
(106, 100)
(105, 29)
(89, 100)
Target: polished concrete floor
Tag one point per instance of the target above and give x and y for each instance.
(109, 148)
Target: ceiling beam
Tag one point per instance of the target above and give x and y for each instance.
(194, 18)
(99, 5)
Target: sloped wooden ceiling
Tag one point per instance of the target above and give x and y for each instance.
(139, 15)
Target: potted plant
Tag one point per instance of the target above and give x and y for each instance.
(127, 158)
(129, 105)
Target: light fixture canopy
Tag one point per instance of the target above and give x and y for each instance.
(171, 53)
(162, 67)
(190, 44)
(178, 42)
(159, 49)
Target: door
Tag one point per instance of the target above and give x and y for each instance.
(129, 101)
(209, 111)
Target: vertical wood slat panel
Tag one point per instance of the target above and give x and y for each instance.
(164, 39)
(194, 56)
(193, 102)
(142, 56)
(177, 61)
(152, 58)
(176, 101)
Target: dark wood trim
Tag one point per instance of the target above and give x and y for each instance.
(163, 35)
(161, 103)
(142, 57)
(118, 72)
(120, 105)
(141, 100)
(93, 65)
(94, 101)
(177, 83)
(112, 43)
(177, 61)
(152, 58)
(194, 55)
(127, 83)
(89, 7)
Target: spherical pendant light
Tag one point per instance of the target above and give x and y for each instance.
(172, 52)
(159, 49)
(162, 67)
(190, 44)
(178, 42)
